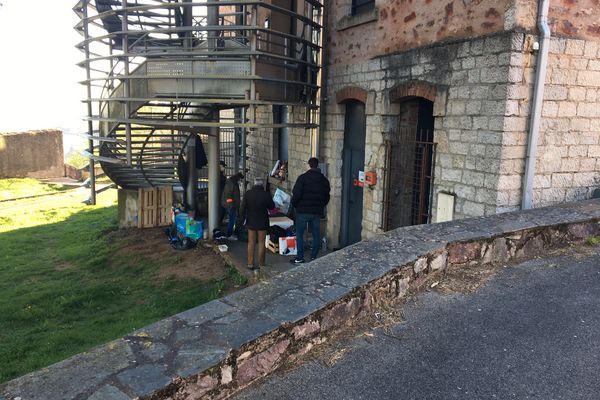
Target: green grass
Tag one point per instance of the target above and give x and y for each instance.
(593, 241)
(62, 292)
(76, 159)
(15, 188)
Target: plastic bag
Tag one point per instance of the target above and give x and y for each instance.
(282, 200)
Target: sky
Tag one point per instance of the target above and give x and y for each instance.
(39, 77)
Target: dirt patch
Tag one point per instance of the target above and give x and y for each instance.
(139, 245)
(466, 279)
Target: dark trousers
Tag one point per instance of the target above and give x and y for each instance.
(315, 225)
(232, 220)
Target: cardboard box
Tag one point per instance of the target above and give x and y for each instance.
(287, 246)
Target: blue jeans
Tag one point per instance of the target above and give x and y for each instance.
(315, 226)
(232, 212)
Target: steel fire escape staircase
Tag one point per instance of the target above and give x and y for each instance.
(160, 71)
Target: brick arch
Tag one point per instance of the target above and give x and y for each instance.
(413, 89)
(351, 93)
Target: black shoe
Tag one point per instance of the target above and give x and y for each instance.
(296, 261)
(253, 268)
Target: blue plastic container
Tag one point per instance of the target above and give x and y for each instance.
(193, 229)
(181, 222)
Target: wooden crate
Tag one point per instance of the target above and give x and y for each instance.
(154, 206)
(273, 247)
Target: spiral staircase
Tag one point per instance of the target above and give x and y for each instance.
(159, 72)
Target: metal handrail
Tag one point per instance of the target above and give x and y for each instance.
(184, 58)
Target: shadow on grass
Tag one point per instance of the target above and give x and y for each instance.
(61, 293)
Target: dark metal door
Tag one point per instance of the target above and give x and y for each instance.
(410, 159)
(353, 161)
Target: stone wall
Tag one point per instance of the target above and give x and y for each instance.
(467, 82)
(263, 147)
(33, 154)
(399, 26)
(481, 88)
(567, 18)
(569, 144)
(218, 348)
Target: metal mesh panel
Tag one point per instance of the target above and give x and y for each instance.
(409, 178)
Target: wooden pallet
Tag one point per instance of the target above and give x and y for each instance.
(154, 207)
(273, 247)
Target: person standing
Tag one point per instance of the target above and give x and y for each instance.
(222, 181)
(230, 200)
(254, 210)
(310, 195)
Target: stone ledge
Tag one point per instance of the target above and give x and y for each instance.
(218, 348)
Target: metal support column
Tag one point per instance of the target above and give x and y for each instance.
(253, 49)
(92, 198)
(214, 187)
(127, 81)
(243, 148)
(192, 183)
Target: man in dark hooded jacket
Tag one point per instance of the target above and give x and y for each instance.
(230, 200)
(309, 198)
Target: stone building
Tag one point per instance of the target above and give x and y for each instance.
(435, 98)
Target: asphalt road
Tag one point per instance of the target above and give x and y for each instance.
(533, 332)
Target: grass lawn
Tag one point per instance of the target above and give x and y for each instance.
(14, 188)
(67, 285)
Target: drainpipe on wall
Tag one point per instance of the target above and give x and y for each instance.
(536, 108)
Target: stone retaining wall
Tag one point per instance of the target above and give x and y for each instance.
(33, 154)
(220, 347)
(292, 340)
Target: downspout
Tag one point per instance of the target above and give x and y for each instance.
(536, 108)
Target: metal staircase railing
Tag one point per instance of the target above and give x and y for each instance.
(155, 69)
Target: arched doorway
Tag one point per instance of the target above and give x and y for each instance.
(353, 159)
(410, 166)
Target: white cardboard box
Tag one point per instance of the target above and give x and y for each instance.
(287, 246)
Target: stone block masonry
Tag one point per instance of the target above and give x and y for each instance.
(218, 348)
(33, 154)
(468, 83)
(568, 159)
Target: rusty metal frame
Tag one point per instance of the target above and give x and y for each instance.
(419, 214)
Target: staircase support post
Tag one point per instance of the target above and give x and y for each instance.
(92, 198)
(192, 183)
(126, 81)
(214, 187)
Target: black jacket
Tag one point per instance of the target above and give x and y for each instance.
(311, 193)
(254, 208)
(230, 196)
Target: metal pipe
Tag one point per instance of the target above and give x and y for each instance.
(214, 188)
(253, 49)
(188, 20)
(192, 183)
(92, 164)
(212, 19)
(320, 83)
(536, 108)
(243, 147)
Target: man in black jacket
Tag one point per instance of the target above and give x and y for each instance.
(254, 210)
(309, 198)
